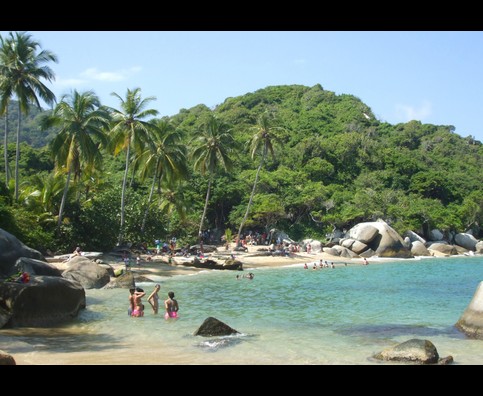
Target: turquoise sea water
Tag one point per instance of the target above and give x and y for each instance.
(286, 316)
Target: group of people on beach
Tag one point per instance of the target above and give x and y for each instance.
(136, 306)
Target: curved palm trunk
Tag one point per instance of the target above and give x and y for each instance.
(17, 153)
(123, 194)
(5, 150)
(206, 207)
(146, 212)
(64, 199)
(251, 199)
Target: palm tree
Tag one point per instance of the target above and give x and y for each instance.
(5, 56)
(76, 148)
(263, 140)
(129, 129)
(165, 159)
(22, 73)
(211, 149)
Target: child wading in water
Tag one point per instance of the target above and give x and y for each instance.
(153, 299)
(171, 306)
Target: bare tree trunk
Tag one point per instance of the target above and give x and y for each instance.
(143, 225)
(5, 150)
(17, 153)
(64, 199)
(251, 199)
(206, 207)
(123, 194)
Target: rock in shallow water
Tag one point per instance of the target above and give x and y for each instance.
(214, 327)
(471, 322)
(413, 351)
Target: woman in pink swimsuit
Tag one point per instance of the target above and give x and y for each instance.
(171, 306)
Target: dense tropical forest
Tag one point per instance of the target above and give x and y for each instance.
(296, 158)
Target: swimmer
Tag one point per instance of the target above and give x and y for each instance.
(153, 299)
(171, 306)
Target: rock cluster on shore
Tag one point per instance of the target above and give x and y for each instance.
(379, 239)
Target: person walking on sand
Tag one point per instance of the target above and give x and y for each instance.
(153, 299)
(171, 306)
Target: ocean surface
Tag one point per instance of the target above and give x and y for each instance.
(285, 315)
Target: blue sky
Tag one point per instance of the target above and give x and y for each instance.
(434, 77)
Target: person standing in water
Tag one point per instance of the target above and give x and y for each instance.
(138, 310)
(153, 299)
(171, 306)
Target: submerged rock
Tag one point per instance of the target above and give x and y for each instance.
(413, 351)
(213, 327)
(471, 321)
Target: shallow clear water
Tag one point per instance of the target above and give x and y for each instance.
(286, 316)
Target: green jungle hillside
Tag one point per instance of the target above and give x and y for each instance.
(333, 165)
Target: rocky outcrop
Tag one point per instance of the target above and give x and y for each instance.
(364, 232)
(229, 264)
(344, 252)
(412, 351)
(212, 327)
(436, 235)
(443, 248)
(44, 301)
(418, 249)
(479, 247)
(124, 281)
(471, 321)
(467, 241)
(11, 249)
(36, 267)
(381, 238)
(6, 359)
(332, 251)
(89, 274)
(413, 237)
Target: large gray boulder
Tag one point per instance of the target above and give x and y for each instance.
(364, 232)
(443, 248)
(11, 249)
(36, 267)
(435, 235)
(213, 327)
(471, 321)
(381, 238)
(332, 251)
(6, 359)
(344, 252)
(467, 241)
(418, 249)
(413, 351)
(413, 237)
(89, 274)
(43, 302)
(479, 247)
(124, 281)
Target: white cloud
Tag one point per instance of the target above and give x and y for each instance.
(407, 112)
(110, 76)
(69, 82)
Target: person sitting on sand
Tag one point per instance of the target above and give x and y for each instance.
(171, 306)
(153, 299)
(138, 310)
